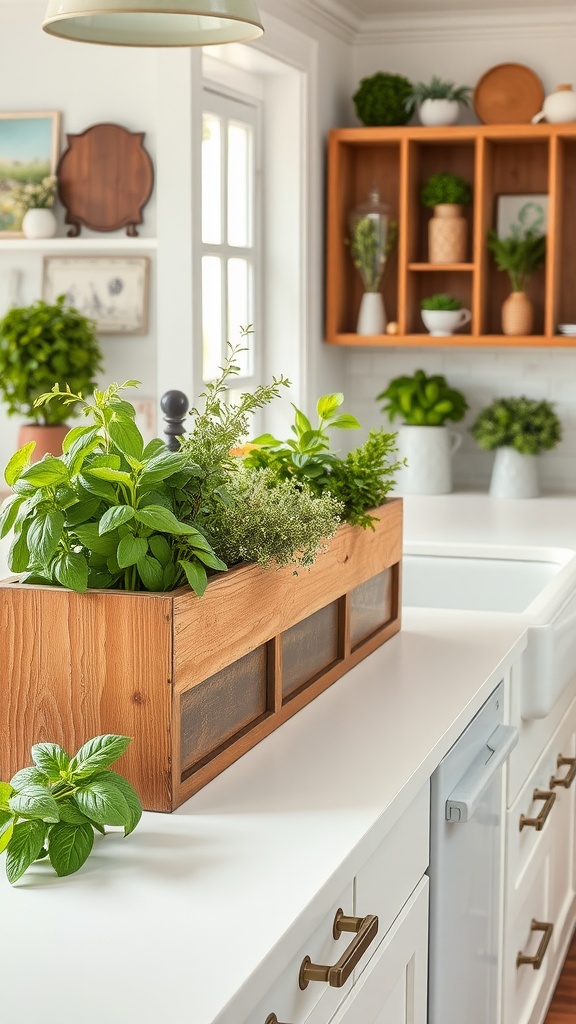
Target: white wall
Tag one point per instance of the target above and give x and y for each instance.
(483, 374)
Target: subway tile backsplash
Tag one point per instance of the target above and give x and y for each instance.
(482, 375)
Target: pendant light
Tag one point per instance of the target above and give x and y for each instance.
(154, 22)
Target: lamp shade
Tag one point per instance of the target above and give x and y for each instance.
(154, 22)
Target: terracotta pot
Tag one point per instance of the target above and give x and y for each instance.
(48, 438)
(517, 314)
(447, 234)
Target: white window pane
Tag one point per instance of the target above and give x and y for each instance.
(211, 315)
(240, 309)
(211, 179)
(239, 183)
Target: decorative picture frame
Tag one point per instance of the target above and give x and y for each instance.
(29, 145)
(516, 214)
(111, 290)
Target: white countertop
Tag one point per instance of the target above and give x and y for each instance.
(184, 915)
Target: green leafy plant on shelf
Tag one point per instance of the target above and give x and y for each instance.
(441, 301)
(422, 400)
(438, 89)
(446, 188)
(113, 513)
(39, 345)
(52, 809)
(518, 255)
(380, 99)
(528, 425)
(369, 253)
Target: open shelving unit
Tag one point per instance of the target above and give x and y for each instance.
(497, 160)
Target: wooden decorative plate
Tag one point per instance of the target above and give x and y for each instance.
(508, 94)
(105, 178)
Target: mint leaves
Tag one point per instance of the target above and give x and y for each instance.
(52, 808)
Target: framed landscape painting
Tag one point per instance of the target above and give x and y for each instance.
(111, 290)
(28, 153)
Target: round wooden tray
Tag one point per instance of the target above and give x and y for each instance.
(508, 94)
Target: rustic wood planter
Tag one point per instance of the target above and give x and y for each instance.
(195, 682)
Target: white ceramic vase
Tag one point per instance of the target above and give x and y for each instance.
(428, 452)
(514, 475)
(439, 112)
(372, 315)
(39, 223)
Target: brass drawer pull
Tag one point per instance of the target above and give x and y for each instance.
(272, 1019)
(536, 961)
(569, 777)
(365, 928)
(538, 823)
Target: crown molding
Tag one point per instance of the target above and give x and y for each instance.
(415, 27)
(332, 15)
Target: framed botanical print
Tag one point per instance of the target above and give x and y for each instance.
(111, 290)
(29, 146)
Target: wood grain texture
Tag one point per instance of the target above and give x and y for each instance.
(563, 1006)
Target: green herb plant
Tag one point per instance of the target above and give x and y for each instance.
(420, 400)
(41, 344)
(446, 188)
(525, 424)
(518, 255)
(51, 809)
(381, 99)
(370, 252)
(360, 481)
(438, 89)
(441, 301)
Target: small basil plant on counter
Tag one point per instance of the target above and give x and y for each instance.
(422, 400)
(51, 809)
(528, 425)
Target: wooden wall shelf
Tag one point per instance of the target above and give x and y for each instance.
(496, 160)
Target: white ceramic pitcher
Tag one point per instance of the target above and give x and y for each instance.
(428, 452)
(559, 106)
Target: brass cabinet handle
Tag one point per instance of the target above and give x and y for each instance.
(272, 1019)
(538, 823)
(536, 961)
(569, 777)
(365, 928)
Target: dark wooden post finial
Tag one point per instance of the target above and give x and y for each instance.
(174, 405)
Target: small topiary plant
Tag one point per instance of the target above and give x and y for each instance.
(525, 424)
(440, 301)
(381, 99)
(446, 188)
(422, 401)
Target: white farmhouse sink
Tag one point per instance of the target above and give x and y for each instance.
(536, 584)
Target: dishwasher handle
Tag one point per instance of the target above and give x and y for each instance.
(465, 797)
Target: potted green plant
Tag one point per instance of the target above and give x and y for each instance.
(197, 563)
(438, 101)
(519, 255)
(446, 194)
(380, 99)
(424, 405)
(51, 809)
(373, 239)
(35, 199)
(443, 314)
(40, 344)
(517, 429)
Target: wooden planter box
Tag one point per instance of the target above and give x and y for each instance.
(195, 682)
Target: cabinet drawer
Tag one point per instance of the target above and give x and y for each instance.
(552, 814)
(533, 735)
(394, 870)
(285, 998)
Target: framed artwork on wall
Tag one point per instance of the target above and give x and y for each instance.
(111, 290)
(515, 215)
(29, 146)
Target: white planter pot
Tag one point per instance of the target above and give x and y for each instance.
(441, 322)
(39, 224)
(428, 451)
(372, 315)
(514, 475)
(439, 112)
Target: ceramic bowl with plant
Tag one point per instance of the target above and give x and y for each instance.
(380, 99)
(41, 344)
(425, 405)
(438, 101)
(443, 314)
(447, 194)
(519, 255)
(516, 429)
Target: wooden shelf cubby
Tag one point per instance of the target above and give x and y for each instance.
(496, 160)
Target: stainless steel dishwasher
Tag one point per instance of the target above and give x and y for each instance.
(466, 840)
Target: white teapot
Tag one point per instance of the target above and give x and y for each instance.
(558, 106)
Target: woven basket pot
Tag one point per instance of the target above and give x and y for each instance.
(517, 314)
(447, 234)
